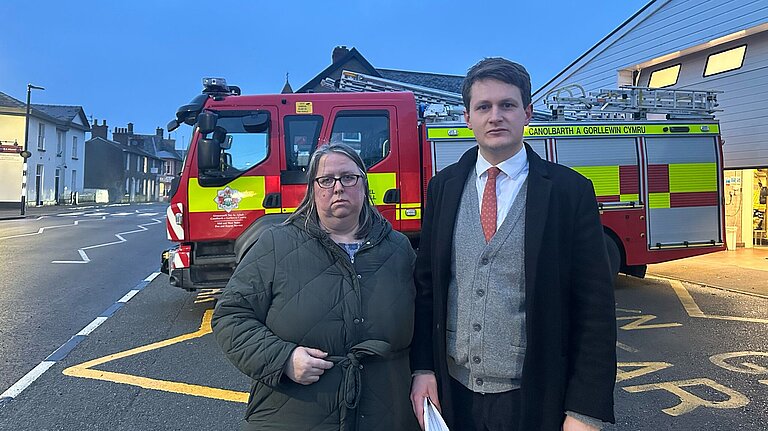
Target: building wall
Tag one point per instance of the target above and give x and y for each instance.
(675, 26)
(48, 160)
(11, 130)
(104, 169)
(744, 100)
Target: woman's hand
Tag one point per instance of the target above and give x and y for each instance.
(306, 365)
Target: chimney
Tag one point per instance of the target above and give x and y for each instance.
(159, 132)
(338, 52)
(99, 131)
(130, 128)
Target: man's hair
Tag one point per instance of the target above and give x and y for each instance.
(307, 209)
(499, 69)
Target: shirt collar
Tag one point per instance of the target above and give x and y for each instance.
(512, 167)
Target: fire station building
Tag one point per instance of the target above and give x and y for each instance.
(705, 45)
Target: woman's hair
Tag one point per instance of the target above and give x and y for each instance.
(307, 209)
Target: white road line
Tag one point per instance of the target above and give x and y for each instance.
(71, 214)
(148, 214)
(128, 296)
(43, 229)
(23, 383)
(122, 214)
(119, 236)
(95, 324)
(27, 380)
(96, 214)
(152, 276)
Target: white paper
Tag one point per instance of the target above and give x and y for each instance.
(432, 419)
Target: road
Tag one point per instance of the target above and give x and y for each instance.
(690, 358)
(61, 271)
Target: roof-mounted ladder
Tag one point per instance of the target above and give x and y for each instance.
(572, 102)
(432, 103)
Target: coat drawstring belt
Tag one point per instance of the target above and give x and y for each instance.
(350, 386)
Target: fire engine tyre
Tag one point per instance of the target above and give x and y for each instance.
(614, 254)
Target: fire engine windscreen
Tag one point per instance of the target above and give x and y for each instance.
(243, 138)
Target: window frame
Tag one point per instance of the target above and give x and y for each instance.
(74, 148)
(679, 67)
(377, 112)
(41, 136)
(709, 57)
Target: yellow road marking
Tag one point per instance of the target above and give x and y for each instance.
(626, 348)
(642, 368)
(749, 367)
(625, 310)
(640, 320)
(693, 310)
(689, 401)
(85, 369)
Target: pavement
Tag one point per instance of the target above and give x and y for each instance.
(46, 210)
(744, 270)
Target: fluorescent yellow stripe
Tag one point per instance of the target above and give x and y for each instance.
(450, 133)
(379, 183)
(658, 200)
(272, 210)
(693, 177)
(604, 129)
(607, 129)
(604, 178)
(250, 190)
(630, 197)
(413, 205)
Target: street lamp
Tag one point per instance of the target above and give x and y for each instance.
(26, 154)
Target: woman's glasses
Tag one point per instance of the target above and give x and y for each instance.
(330, 182)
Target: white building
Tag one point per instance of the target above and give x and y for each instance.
(698, 44)
(56, 140)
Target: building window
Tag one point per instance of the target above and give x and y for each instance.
(60, 137)
(168, 167)
(41, 137)
(74, 147)
(127, 164)
(74, 180)
(725, 61)
(664, 77)
(138, 163)
(146, 162)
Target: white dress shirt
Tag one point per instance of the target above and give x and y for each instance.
(513, 173)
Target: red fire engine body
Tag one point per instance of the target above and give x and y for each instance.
(658, 182)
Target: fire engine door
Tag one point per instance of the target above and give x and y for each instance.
(683, 191)
(372, 132)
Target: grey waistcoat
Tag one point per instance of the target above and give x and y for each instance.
(486, 298)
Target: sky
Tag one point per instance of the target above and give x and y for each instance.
(137, 61)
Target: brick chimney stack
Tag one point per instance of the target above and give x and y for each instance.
(338, 53)
(99, 131)
(159, 132)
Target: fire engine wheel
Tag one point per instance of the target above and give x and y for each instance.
(614, 255)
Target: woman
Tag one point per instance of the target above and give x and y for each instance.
(320, 311)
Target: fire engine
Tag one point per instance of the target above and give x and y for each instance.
(653, 155)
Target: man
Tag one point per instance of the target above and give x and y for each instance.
(515, 320)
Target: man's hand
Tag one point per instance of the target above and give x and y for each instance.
(423, 386)
(305, 366)
(571, 424)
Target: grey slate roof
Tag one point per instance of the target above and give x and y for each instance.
(165, 154)
(134, 149)
(7, 101)
(65, 114)
(451, 83)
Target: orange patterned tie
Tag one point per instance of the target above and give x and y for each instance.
(488, 208)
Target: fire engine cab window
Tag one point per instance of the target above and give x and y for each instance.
(301, 134)
(242, 149)
(367, 132)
